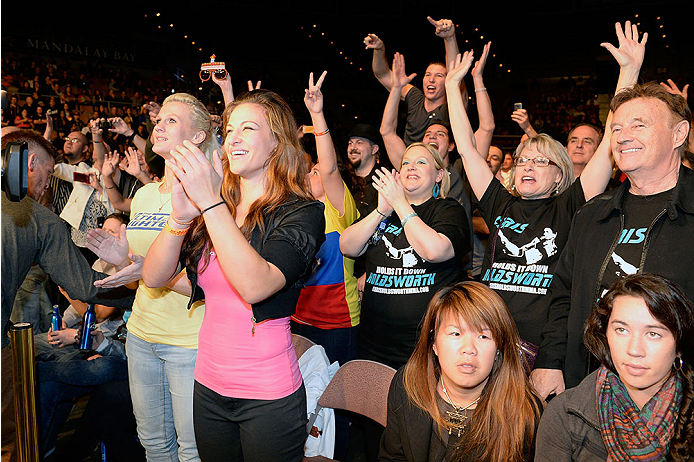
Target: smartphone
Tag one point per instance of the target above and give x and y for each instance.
(80, 177)
(307, 129)
(517, 106)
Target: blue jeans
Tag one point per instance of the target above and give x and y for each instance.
(60, 382)
(161, 385)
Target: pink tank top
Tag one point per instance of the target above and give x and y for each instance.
(232, 360)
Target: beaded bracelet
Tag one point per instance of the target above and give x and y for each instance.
(327, 130)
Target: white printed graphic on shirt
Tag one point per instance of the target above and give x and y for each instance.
(624, 267)
(407, 255)
(530, 250)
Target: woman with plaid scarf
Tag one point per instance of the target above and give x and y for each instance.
(638, 404)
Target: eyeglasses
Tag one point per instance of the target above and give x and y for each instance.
(220, 74)
(537, 161)
(73, 140)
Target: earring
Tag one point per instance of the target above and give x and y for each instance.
(677, 365)
(437, 188)
(556, 191)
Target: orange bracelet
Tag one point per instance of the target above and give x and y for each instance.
(180, 222)
(175, 232)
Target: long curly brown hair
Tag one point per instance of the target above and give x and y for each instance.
(285, 170)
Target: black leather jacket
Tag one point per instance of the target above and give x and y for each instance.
(667, 250)
(299, 223)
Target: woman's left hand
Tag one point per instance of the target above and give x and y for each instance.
(388, 185)
(200, 180)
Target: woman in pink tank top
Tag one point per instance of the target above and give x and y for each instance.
(246, 230)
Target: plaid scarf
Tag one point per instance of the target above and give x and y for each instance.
(630, 433)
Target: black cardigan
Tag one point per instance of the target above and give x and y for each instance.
(293, 234)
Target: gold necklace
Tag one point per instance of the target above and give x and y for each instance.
(458, 417)
(163, 204)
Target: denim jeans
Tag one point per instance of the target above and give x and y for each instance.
(161, 385)
(60, 382)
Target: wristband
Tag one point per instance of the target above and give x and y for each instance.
(180, 222)
(407, 218)
(327, 130)
(175, 232)
(212, 206)
(481, 89)
(109, 187)
(96, 141)
(379, 212)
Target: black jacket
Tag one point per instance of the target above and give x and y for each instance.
(298, 223)
(412, 435)
(667, 251)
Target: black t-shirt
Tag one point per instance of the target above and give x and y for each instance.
(366, 198)
(418, 118)
(639, 213)
(128, 185)
(530, 235)
(399, 283)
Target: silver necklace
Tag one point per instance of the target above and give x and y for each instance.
(458, 417)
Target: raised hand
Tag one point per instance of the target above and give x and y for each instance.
(97, 133)
(111, 249)
(250, 85)
(111, 159)
(131, 162)
(201, 181)
(444, 27)
(398, 75)
(153, 108)
(673, 89)
(630, 52)
(372, 42)
(520, 116)
(479, 65)
(313, 98)
(119, 126)
(459, 68)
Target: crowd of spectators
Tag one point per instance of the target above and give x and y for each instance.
(517, 228)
